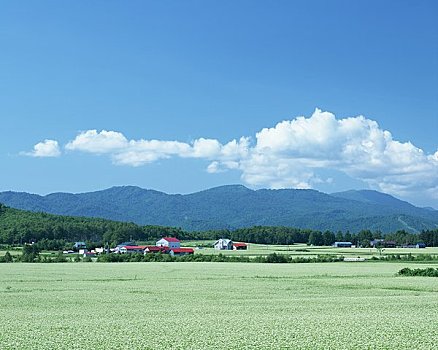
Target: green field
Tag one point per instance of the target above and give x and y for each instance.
(216, 306)
(303, 250)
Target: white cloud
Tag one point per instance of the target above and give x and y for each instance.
(290, 154)
(47, 148)
(141, 152)
(98, 142)
(292, 150)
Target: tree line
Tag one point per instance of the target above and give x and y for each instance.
(54, 232)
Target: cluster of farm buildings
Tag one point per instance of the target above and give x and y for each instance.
(172, 246)
(166, 245)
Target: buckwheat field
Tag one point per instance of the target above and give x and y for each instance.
(216, 306)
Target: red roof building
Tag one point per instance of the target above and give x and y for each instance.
(181, 251)
(171, 239)
(170, 242)
(132, 249)
(240, 246)
(154, 249)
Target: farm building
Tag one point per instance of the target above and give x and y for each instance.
(180, 251)
(223, 244)
(417, 245)
(376, 242)
(79, 245)
(170, 242)
(132, 249)
(342, 244)
(389, 244)
(154, 249)
(121, 245)
(382, 243)
(240, 246)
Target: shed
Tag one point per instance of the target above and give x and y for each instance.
(342, 244)
(180, 251)
(240, 246)
(420, 245)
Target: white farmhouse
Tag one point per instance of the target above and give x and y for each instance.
(223, 244)
(170, 242)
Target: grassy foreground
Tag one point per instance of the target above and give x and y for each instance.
(216, 306)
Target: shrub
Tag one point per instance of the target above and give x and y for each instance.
(427, 272)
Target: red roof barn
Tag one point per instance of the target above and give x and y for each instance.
(240, 246)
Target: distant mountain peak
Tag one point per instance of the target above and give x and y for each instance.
(234, 206)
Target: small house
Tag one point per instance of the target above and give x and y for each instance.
(170, 242)
(223, 244)
(342, 244)
(420, 245)
(240, 246)
(180, 251)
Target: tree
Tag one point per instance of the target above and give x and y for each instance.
(328, 238)
(8, 257)
(30, 253)
(315, 238)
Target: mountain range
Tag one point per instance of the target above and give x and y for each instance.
(235, 206)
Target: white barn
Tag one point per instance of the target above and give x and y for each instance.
(170, 242)
(223, 244)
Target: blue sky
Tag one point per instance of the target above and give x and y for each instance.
(204, 73)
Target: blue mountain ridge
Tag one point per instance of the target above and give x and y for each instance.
(235, 206)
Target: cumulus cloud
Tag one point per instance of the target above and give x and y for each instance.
(98, 142)
(46, 148)
(140, 152)
(290, 154)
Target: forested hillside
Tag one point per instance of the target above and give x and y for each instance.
(18, 226)
(232, 207)
(55, 231)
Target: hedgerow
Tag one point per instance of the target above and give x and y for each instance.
(428, 272)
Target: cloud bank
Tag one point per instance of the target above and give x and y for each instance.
(286, 155)
(46, 148)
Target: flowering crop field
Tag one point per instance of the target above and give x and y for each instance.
(295, 250)
(303, 250)
(216, 306)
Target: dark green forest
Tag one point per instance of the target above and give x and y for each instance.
(56, 232)
(234, 206)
